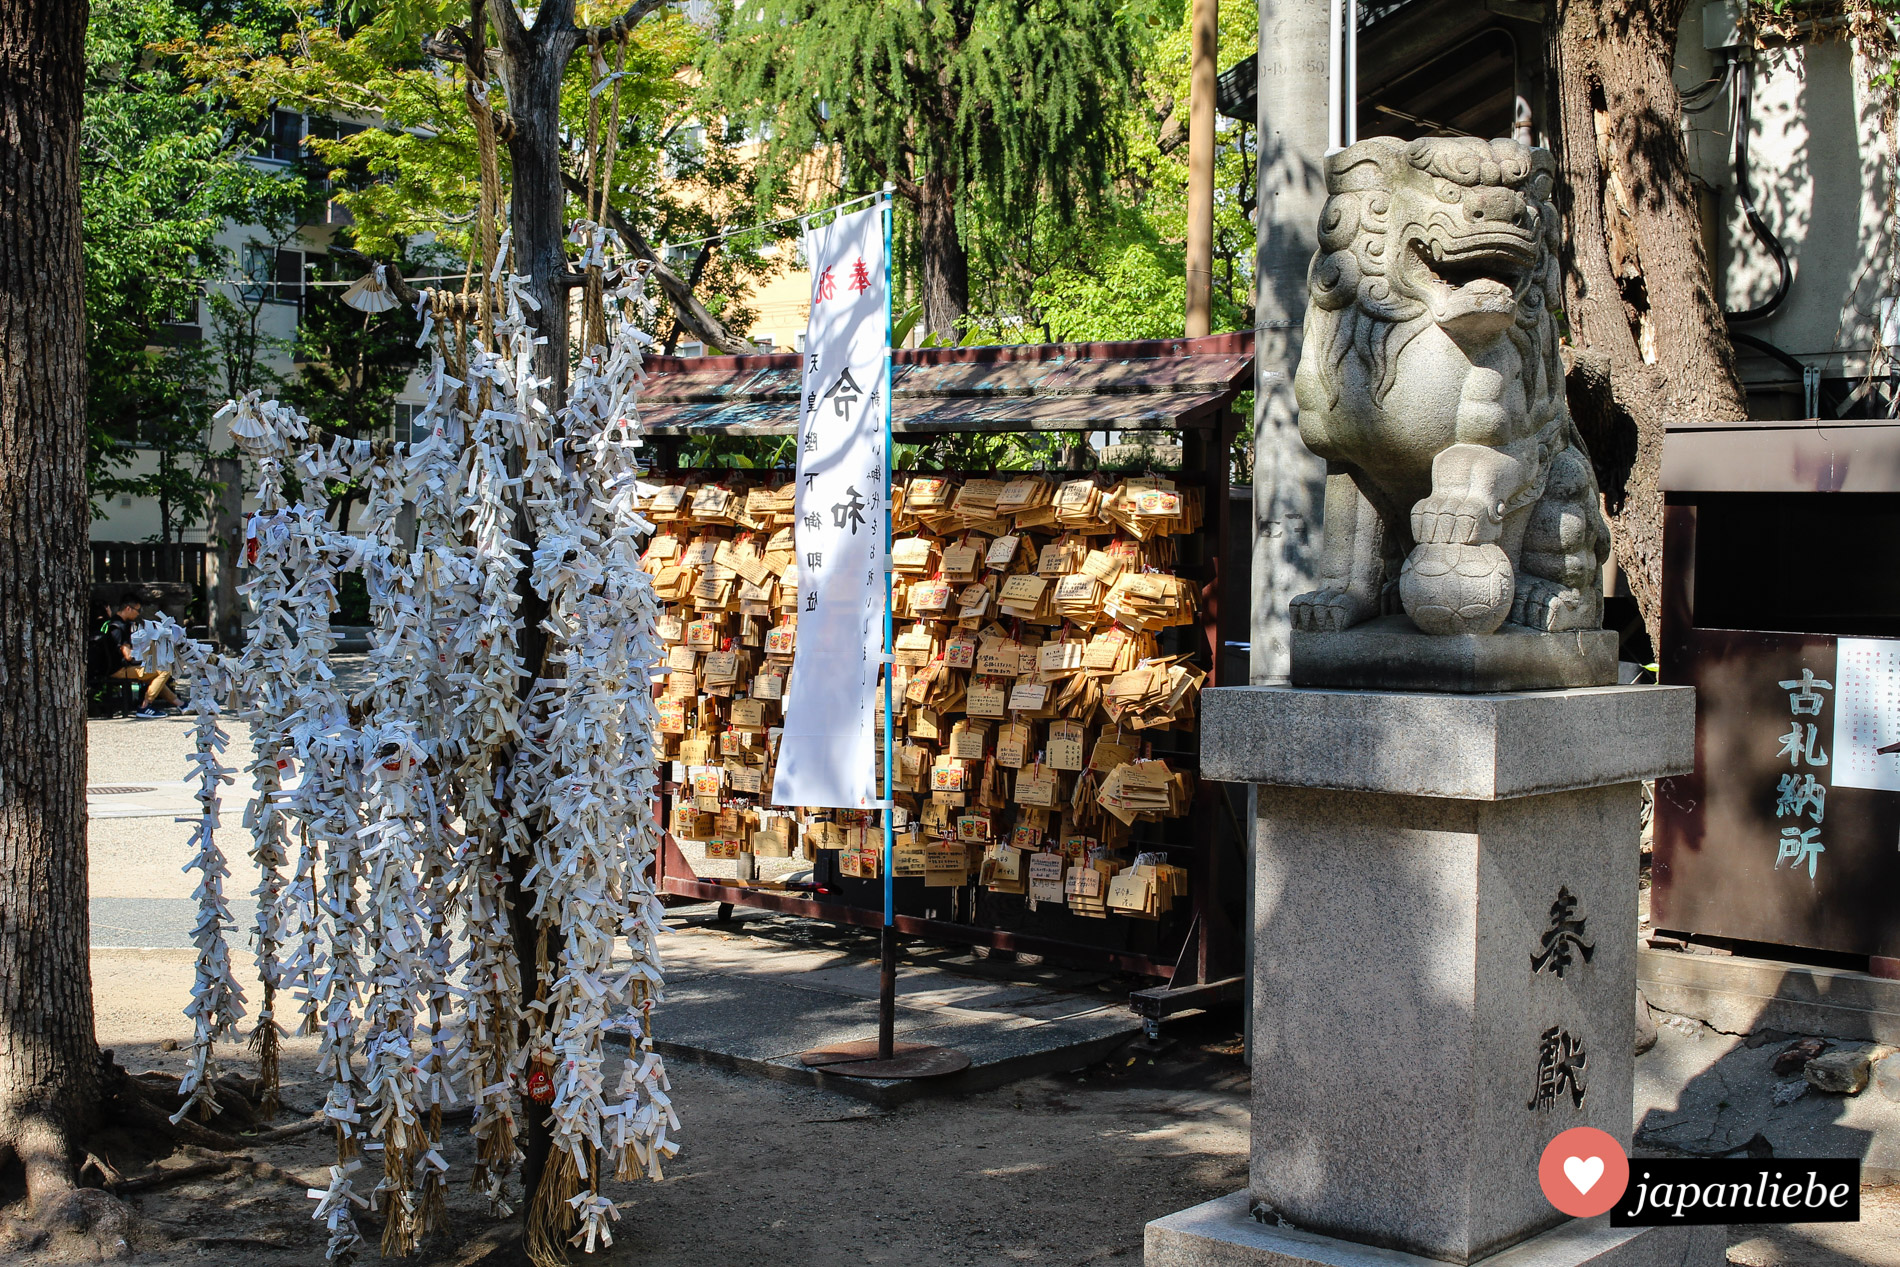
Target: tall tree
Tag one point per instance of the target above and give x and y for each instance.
(967, 107)
(49, 1063)
(1648, 334)
(161, 175)
(1119, 272)
(414, 170)
(516, 70)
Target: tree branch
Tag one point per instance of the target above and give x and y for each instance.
(450, 44)
(910, 190)
(514, 33)
(392, 276)
(620, 26)
(687, 309)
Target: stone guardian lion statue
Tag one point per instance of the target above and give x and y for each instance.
(1458, 489)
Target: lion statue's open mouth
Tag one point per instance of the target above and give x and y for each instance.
(1474, 282)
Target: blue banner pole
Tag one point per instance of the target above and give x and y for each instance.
(887, 949)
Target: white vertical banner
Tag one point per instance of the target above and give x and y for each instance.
(828, 754)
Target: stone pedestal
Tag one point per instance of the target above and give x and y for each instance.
(1391, 654)
(1221, 1233)
(1444, 964)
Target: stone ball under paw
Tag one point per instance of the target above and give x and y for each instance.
(1457, 589)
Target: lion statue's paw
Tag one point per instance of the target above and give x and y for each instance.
(1455, 519)
(1330, 609)
(1547, 606)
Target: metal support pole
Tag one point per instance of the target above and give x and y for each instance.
(1335, 17)
(887, 936)
(1349, 100)
(886, 992)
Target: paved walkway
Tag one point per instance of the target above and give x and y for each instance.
(137, 844)
(754, 993)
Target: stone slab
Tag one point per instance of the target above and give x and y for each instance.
(752, 1005)
(1399, 1017)
(1466, 747)
(1001, 1049)
(1738, 995)
(1222, 1233)
(1392, 654)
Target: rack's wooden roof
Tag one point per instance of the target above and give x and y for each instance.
(1145, 385)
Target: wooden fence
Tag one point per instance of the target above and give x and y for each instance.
(144, 562)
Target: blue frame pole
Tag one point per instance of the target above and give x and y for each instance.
(890, 787)
(887, 935)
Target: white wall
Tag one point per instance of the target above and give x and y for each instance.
(1821, 168)
(138, 519)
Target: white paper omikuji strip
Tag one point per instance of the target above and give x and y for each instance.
(590, 774)
(440, 579)
(399, 807)
(559, 783)
(333, 1208)
(217, 1001)
(267, 431)
(330, 798)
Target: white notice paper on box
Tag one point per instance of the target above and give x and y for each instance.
(1866, 713)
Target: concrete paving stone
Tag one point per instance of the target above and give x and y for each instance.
(923, 987)
(159, 923)
(703, 952)
(982, 996)
(152, 800)
(991, 1041)
(1001, 1048)
(126, 750)
(1060, 1007)
(1737, 994)
(730, 1020)
(146, 859)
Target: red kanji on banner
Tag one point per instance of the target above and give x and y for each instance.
(827, 288)
(860, 276)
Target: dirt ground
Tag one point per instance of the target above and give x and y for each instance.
(1058, 1170)
(1054, 1170)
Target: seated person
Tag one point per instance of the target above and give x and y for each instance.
(118, 635)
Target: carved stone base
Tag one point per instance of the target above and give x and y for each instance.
(1427, 1016)
(1391, 654)
(1220, 1234)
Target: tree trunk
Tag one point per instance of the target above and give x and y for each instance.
(537, 60)
(538, 203)
(1651, 345)
(49, 1061)
(946, 266)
